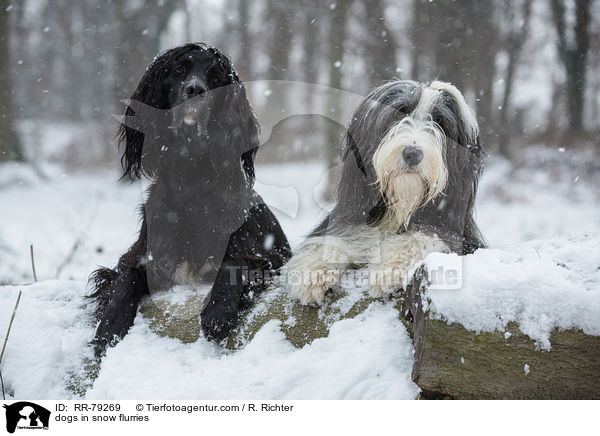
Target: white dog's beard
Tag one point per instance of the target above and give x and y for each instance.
(403, 194)
(406, 190)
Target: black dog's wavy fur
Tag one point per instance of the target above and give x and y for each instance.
(218, 216)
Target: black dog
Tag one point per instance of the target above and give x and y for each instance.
(195, 137)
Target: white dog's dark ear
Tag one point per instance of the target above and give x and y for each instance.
(455, 116)
(466, 114)
(358, 196)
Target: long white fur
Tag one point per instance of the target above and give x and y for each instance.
(398, 253)
(469, 119)
(428, 99)
(321, 260)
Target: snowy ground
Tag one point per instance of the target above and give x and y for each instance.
(79, 221)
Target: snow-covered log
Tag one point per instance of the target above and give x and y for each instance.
(453, 362)
(524, 322)
(177, 315)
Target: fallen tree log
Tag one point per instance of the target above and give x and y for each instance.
(451, 362)
(301, 324)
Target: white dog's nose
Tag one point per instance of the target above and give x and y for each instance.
(412, 156)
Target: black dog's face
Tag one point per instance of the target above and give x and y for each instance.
(188, 80)
(189, 109)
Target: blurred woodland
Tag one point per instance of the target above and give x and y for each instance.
(530, 68)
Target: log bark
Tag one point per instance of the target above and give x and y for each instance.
(300, 324)
(454, 363)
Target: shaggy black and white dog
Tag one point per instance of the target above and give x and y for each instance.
(195, 138)
(410, 165)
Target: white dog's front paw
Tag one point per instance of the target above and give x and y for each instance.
(384, 280)
(314, 269)
(310, 286)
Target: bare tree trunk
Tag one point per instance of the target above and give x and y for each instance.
(280, 44)
(280, 41)
(582, 38)
(244, 61)
(450, 50)
(139, 40)
(7, 134)
(311, 45)
(483, 47)
(424, 38)
(465, 52)
(516, 40)
(311, 58)
(337, 36)
(416, 49)
(19, 40)
(379, 44)
(573, 55)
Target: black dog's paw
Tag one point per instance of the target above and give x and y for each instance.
(108, 334)
(99, 345)
(217, 321)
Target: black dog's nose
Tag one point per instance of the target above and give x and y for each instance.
(412, 156)
(194, 88)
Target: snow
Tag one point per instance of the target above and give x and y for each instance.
(269, 367)
(558, 198)
(541, 285)
(50, 332)
(541, 271)
(47, 340)
(16, 173)
(92, 211)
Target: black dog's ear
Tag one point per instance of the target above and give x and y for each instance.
(234, 120)
(133, 142)
(243, 125)
(149, 92)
